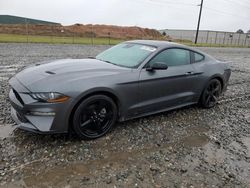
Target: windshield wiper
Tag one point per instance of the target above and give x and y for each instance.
(107, 62)
(90, 57)
(112, 63)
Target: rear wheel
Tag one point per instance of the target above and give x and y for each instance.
(211, 94)
(94, 117)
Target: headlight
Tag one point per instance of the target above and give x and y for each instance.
(50, 97)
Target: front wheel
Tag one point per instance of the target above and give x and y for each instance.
(94, 117)
(211, 94)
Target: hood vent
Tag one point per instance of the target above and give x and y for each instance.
(49, 72)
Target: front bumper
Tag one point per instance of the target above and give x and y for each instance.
(24, 112)
(27, 126)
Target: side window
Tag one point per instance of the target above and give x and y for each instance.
(198, 57)
(172, 57)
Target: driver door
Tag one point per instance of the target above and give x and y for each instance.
(164, 89)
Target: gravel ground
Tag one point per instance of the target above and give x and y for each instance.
(189, 147)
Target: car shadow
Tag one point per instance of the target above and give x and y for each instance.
(72, 137)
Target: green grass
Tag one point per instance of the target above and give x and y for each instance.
(12, 38)
(8, 38)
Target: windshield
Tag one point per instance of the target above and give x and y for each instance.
(126, 54)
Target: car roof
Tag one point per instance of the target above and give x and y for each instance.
(158, 43)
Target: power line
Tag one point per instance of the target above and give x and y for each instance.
(163, 2)
(226, 13)
(223, 12)
(170, 2)
(239, 4)
(166, 3)
(246, 2)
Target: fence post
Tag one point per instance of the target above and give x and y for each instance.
(27, 30)
(245, 42)
(207, 37)
(224, 39)
(92, 35)
(239, 40)
(51, 36)
(109, 37)
(62, 32)
(215, 38)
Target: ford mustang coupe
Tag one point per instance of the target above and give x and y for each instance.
(130, 80)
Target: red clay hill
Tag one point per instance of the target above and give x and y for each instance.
(80, 30)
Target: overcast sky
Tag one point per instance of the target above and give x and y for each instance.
(224, 15)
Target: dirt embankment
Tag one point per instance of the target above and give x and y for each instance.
(81, 30)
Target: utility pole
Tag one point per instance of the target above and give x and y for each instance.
(198, 26)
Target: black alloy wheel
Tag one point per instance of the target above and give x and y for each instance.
(211, 93)
(94, 117)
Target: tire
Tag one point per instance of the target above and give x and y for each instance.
(94, 117)
(211, 94)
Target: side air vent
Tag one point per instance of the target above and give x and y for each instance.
(18, 97)
(21, 117)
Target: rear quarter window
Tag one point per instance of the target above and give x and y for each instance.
(198, 57)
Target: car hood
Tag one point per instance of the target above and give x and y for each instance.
(66, 70)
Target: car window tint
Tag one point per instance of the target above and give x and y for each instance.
(173, 57)
(198, 57)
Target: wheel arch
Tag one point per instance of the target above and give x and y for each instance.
(216, 76)
(220, 78)
(85, 95)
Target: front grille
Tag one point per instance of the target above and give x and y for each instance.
(21, 117)
(18, 96)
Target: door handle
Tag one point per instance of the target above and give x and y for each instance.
(189, 73)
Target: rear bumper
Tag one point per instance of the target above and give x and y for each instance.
(34, 116)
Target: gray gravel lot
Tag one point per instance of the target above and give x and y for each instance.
(189, 147)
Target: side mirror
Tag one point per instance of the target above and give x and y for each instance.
(157, 66)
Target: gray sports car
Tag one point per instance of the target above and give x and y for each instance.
(129, 80)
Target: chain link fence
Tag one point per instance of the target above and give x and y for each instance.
(215, 38)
